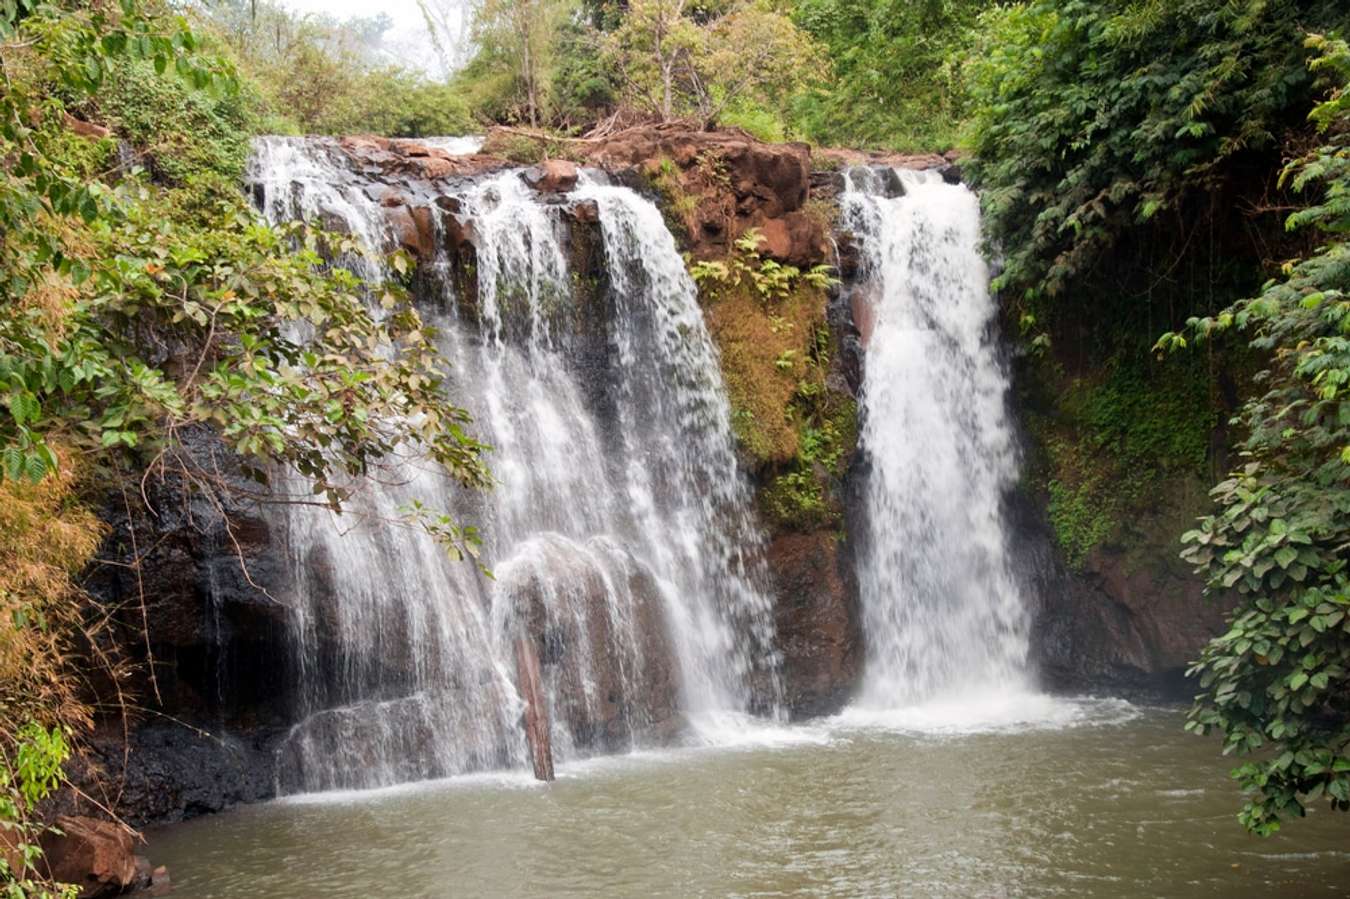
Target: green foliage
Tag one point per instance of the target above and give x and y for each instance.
(321, 75)
(1080, 519)
(799, 499)
(30, 770)
(768, 278)
(581, 86)
(181, 133)
(1275, 685)
(516, 60)
(674, 58)
(1094, 117)
(1114, 440)
(896, 81)
(519, 148)
(226, 295)
(765, 124)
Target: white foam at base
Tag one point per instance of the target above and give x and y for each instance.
(989, 711)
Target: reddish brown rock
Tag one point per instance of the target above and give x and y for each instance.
(424, 224)
(94, 855)
(552, 176)
(817, 616)
(734, 181)
(392, 158)
(796, 238)
(404, 228)
(586, 212)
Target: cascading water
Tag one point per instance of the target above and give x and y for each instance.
(619, 532)
(944, 616)
(686, 492)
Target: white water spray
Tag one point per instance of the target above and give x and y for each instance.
(945, 622)
(619, 530)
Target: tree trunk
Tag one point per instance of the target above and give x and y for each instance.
(536, 708)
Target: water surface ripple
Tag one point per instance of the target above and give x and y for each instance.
(1109, 801)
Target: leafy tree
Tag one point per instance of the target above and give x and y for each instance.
(134, 313)
(896, 80)
(674, 58)
(1277, 684)
(521, 34)
(582, 87)
(1091, 118)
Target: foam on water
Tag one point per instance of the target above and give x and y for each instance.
(462, 145)
(989, 711)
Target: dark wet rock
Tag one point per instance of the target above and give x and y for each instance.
(607, 691)
(1128, 622)
(818, 621)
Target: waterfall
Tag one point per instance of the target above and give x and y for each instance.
(687, 492)
(618, 534)
(944, 618)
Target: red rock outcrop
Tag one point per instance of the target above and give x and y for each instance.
(97, 856)
(552, 176)
(728, 182)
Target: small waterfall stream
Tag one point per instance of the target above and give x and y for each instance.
(619, 533)
(943, 614)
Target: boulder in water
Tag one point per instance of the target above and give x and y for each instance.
(595, 617)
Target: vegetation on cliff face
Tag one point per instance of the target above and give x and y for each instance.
(1110, 442)
(1275, 684)
(796, 431)
(138, 306)
(1102, 134)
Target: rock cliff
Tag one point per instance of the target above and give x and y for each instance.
(215, 685)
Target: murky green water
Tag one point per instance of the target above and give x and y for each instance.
(1122, 805)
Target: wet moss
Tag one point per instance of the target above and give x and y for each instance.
(1120, 444)
(795, 432)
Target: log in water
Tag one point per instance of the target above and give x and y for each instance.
(531, 688)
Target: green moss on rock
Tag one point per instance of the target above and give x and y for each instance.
(1117, 444)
